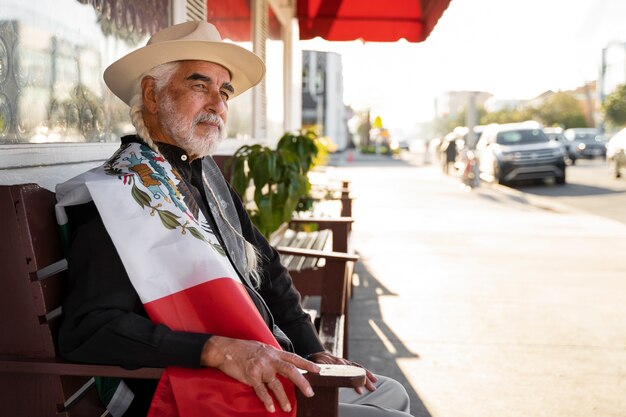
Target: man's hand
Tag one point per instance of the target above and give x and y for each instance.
(257, 364)
(328, 359)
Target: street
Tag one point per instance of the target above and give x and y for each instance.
(589, 188)
(484, 302)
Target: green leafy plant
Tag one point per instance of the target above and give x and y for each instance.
(614, 107)
(303, 144)
(279, 178)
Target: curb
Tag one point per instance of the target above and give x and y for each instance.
(540, 202)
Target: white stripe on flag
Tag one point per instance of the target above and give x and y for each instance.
(121, 400)
(152, 254)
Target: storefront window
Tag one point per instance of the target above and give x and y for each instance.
(52, 56)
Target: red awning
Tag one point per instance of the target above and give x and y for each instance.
(338, 20)
(232, 19)
(369, 20)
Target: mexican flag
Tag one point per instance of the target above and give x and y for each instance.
(181, 273)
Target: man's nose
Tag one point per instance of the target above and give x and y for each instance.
(215, 102)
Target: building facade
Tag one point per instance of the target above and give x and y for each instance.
(57, 117)
(322, 96)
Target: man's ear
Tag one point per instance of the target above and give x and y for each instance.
(148, 92)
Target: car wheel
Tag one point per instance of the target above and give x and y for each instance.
(560, 179)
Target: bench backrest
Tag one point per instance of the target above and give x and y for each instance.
(30, 243)
(31, 292)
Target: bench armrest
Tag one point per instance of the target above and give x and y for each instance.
(337, 376)
(325, 402)
(329, 376)
(337, 256)
(59, 367)
(329, 220)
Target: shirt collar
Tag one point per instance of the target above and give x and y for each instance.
(176, 156)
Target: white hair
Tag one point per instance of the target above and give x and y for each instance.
(162, 75)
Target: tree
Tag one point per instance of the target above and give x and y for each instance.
(561, 109)
(614, 107)
(442, 126)
(507, 115)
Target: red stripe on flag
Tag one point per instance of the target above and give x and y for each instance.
(222, 307)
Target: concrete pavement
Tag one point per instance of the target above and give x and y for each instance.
(485, 303)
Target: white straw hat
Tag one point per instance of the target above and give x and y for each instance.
(186, 41)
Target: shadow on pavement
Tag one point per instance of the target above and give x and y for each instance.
(372, 343)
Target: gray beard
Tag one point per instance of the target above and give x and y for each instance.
(184, 134)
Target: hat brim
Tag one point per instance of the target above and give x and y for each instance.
(246, 68)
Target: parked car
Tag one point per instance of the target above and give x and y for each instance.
(519, 151)
(589, 141)
(616, 153)
(556, 134)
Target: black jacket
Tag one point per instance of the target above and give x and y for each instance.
(105, 322)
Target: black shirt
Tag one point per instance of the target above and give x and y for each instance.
(105, 322)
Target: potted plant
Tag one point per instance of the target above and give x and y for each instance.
(278, 176)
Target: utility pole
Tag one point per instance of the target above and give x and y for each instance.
(470, 119)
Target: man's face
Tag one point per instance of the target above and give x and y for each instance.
(192, 107)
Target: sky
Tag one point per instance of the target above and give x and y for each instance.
(511, 49)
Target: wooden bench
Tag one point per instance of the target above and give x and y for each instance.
(34, 380)
(342, 194)
(318, 270)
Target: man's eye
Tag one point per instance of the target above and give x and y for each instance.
(225, 95)
(200, 86)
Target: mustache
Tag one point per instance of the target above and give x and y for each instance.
(209, 118)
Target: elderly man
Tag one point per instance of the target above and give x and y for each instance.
(165, 267)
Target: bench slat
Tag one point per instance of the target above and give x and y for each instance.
(289, 238)
(306, 241)
(52, 269)
(323, 242)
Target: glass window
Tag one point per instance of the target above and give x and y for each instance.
(586, 137)
(52, 56)
(521, 137)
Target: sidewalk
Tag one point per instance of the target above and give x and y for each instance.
(482, 303)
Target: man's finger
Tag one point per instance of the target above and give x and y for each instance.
(279, 392)
(292, 373)
(300, 362)
(370, 378)
(264, 396)
(370, 375)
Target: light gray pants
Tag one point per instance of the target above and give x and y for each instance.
(390, 399)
